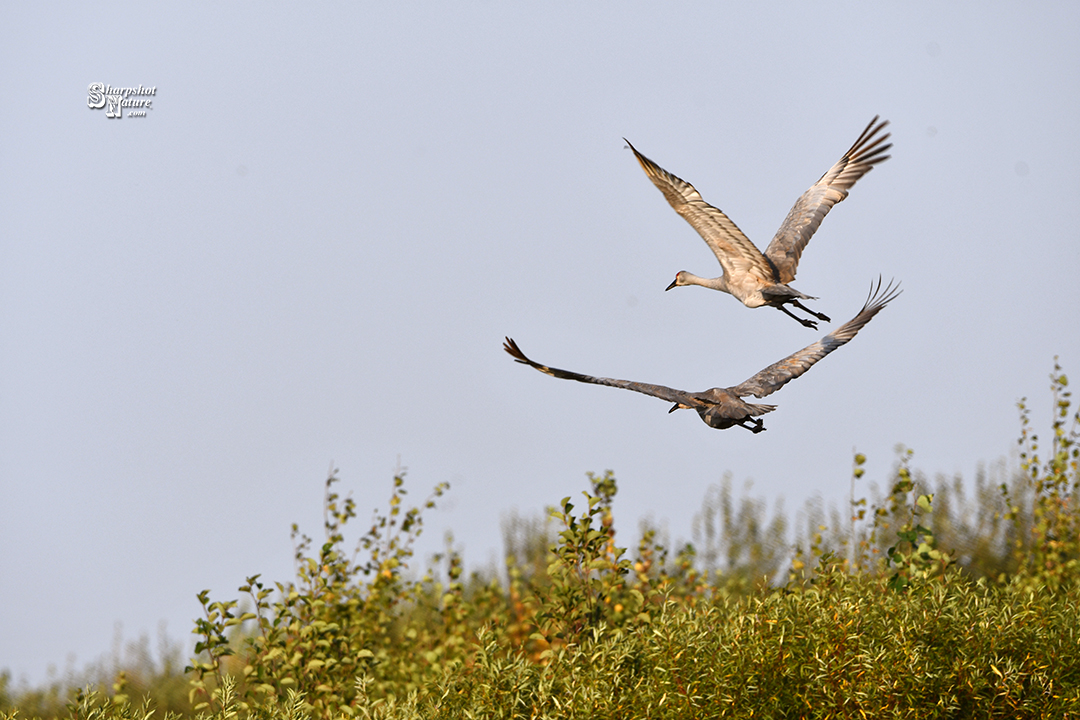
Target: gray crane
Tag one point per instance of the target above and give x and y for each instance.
(722, 408)
(757, 279)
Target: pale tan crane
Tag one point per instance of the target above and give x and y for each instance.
(754, 278)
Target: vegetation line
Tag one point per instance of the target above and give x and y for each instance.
(920, 602)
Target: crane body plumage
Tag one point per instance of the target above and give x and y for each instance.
(753, 277)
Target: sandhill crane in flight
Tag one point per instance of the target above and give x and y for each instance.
(757, 279)
(722, 408)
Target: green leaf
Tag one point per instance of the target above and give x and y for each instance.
(924, 502)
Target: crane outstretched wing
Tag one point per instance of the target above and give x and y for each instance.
(664, 393)
(811, 208)
(780, 373)
(737, 255)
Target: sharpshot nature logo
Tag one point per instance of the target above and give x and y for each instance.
(136, 99)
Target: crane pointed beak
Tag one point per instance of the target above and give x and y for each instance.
(673, 408)
(674, 283)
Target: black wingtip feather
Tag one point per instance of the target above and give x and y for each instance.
(512, 348)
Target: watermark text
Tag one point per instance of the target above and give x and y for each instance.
(114, 99)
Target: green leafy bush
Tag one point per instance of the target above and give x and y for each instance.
(924, 602)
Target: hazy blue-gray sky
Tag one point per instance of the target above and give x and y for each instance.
(311, 247)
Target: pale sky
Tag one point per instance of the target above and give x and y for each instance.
(310, 248)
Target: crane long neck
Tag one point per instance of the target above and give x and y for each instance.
(716, 283)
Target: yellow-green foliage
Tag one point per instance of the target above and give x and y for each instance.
(920, 604)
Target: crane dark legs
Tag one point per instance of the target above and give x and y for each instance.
(754, 425)
(807, 323)
(819, 316)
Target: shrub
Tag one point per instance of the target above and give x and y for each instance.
(924, 602)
